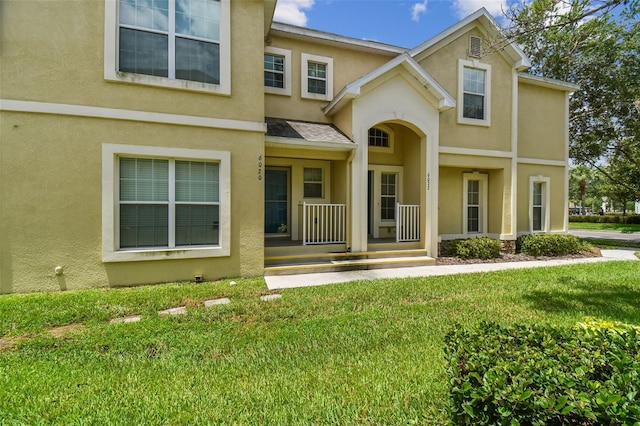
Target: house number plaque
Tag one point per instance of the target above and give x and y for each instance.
(259, 167)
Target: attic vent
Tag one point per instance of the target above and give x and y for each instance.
(475, 46)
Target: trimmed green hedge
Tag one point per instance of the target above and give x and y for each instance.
(633, 219)
(476, 248)
(542, 375)
(549, 244)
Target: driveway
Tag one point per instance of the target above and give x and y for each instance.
(608, 235)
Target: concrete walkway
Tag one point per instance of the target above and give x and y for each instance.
(309, 280)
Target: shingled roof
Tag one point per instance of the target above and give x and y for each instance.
(313, 132)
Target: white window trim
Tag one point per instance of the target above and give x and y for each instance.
(484, 190)
(110, 197)
(390, 132)
(112, 74)
(306, 58)
(546, 196)
(462, 64)
(286, 91)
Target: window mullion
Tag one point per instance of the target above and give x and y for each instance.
(172, 203)
(172, 39)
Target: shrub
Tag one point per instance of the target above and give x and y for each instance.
(541, 375)
(549, 245)
(630, 218)
(476, 248)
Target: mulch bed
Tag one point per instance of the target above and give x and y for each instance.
(517, 257)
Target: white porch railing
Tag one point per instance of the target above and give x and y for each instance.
(407, 222)
(324, 223)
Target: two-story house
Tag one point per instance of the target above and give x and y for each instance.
(153, 141)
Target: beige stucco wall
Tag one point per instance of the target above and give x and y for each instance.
(53, 51)
(443, 66)
(348, 65)
(450, 201)
(499, 193)
(52, 202)
(541, 122)
(557, 202)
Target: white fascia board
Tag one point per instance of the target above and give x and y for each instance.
(445, 100)
(292, 30)
(353, 89)
(549, 83)
(280, 142)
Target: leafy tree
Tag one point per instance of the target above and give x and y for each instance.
(585, 187)
(596, 45)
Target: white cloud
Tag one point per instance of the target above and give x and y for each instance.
(418, 9)
(465, 8)
(292, 11)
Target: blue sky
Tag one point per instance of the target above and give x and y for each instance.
(404, 23)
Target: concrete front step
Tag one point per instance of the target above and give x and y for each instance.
(313, 258)
(339, 265)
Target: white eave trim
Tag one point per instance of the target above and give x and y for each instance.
(353, 89)
(287, 30)
(280, 142)
(130, 115)
(549, 83)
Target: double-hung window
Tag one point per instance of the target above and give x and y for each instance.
(539, 203)
(475, 203)
(317, 77)
(474, 93)
(313, 182)
(473, 206)
(277, 71)
(172, 43)
(170, 38)
(159, 204)
(274, 71)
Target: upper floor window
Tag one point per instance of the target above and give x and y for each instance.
(277, 71)
(474, 93)
(317, 77)
(274, 70)
(171, 43)
(176, 39)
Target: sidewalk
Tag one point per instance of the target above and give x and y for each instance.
(310, 280)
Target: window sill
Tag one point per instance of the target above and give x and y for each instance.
(164, 254)
(474, 122)
(167, 83)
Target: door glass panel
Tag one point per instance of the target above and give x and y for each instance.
(276, 201)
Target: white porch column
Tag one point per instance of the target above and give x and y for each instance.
(359, 185)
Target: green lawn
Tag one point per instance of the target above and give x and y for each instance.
(605, 226)
(368, 352)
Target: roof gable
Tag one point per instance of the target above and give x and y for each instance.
(483, 20)
(439, 96)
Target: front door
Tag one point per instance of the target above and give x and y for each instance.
(276, 201)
